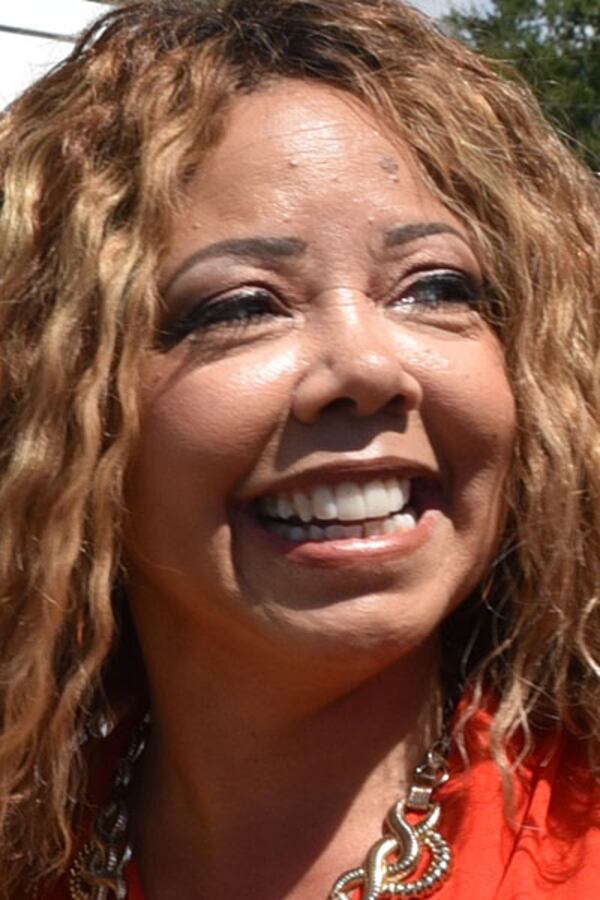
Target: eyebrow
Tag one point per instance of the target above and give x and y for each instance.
(403, 234)
(266, 249)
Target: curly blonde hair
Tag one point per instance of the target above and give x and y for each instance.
(93, 158)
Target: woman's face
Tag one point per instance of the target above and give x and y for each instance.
(327, 425)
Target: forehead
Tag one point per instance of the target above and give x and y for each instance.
(305, 160)
(295, 136)
(291, 117)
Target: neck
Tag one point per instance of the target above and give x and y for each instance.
(285, 775)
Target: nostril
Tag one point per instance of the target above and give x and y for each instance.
(397, 405)
(357, 387)
(342, 404)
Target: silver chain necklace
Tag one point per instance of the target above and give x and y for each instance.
(410, 843)
(98, 871)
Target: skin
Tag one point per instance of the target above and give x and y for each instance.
(277, 680)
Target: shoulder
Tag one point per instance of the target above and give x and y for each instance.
(547, 845)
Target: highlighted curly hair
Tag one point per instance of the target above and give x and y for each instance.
(93, 158)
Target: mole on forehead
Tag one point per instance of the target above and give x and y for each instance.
(388, 164)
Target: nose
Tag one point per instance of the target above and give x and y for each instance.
(355, 364)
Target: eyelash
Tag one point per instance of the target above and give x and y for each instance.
(245, 307)
(444, 288)
(241, 309)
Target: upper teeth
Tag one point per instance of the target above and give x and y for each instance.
(345, 502)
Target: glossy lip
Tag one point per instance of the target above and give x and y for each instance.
(349, 552)
(359, 471)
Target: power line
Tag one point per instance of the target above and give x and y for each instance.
(33, 32)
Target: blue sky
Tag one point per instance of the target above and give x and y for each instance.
(438, 8)
(432, 7)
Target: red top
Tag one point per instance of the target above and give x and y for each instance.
(551, 851)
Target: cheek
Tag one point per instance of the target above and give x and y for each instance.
(469, 416)
(203, 427)
(479, 407)
(469, 406)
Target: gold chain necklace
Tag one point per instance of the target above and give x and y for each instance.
(411, 859)
(392, 861)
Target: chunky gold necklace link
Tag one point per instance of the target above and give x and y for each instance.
(390, 866)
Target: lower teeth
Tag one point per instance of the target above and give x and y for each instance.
(403, 521)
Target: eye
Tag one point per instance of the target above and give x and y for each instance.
(443, 289)
(241, 309)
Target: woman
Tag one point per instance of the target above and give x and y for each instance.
(300, 457)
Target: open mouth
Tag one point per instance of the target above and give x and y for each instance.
(343, 511)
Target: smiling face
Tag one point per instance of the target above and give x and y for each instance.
(327, 424)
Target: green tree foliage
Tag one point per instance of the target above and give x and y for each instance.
(555, 45)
